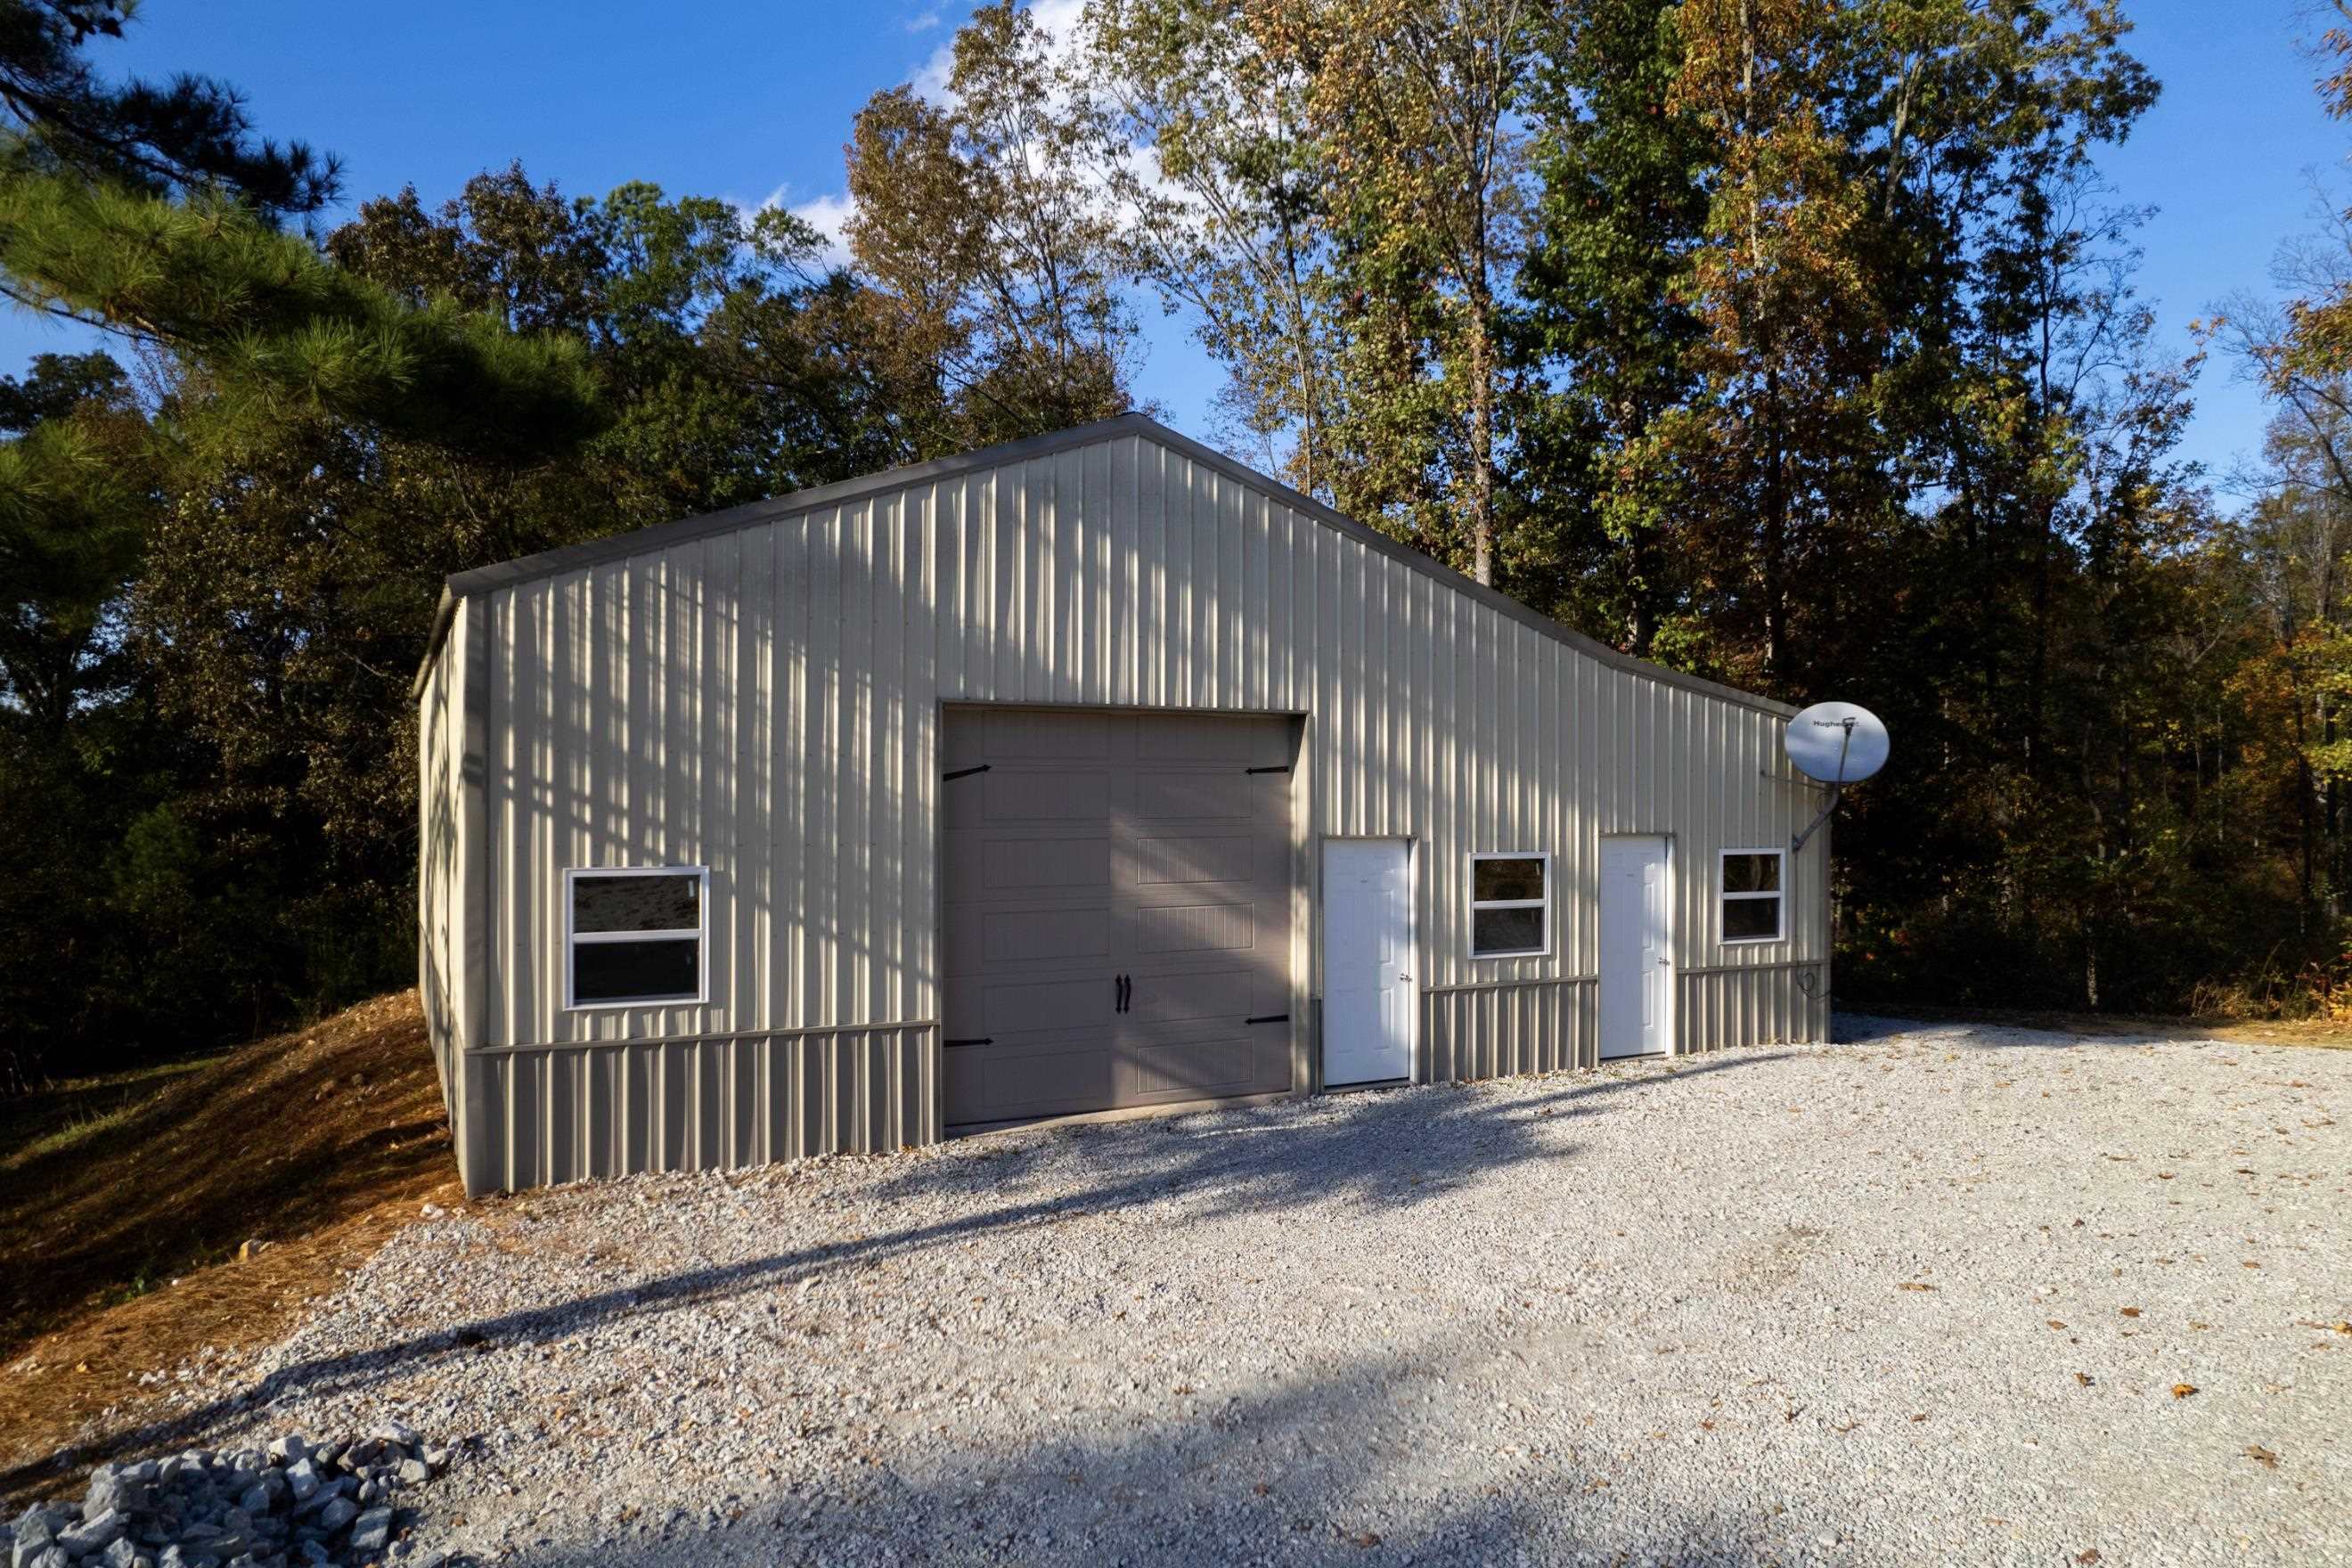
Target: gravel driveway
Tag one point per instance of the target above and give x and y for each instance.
(1938, 1294)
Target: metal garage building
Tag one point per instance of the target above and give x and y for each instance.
(1087, 773)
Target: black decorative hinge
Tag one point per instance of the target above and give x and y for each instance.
(1268, 1018)
(1284, 769)
(984, 1040)
(964, 773)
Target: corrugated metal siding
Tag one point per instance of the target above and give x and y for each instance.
(766, 702)
(1498, 1030)
(439, 789)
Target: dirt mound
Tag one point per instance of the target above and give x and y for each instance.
(127, 1203)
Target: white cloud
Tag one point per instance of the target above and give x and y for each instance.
(829, 214)
(1058, 19)
(924, 22)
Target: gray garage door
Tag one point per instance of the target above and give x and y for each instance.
(1117, 893)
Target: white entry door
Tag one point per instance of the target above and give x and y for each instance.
(1637, 976)
(1368, 988)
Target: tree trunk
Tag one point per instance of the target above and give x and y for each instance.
(1776, 533)
(1482, 448)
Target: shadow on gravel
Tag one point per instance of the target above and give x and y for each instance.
(1334, 1467)
(1380, 1149)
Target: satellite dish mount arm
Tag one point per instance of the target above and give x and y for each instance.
(1837, 791)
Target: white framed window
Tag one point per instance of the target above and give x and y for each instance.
(635, 936)
(1750, 902)
(1510, 905)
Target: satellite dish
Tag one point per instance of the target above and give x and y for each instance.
(1837, 743)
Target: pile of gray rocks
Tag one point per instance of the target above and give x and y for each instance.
(292, 1505)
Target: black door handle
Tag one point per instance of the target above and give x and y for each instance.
(1118, 1003)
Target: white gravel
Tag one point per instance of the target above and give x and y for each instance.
(1923, 1297)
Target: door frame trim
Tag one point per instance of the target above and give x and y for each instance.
(1417, 1067)
(1674, 966)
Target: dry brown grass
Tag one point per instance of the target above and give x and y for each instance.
(125, 1199)
(2324, 1034)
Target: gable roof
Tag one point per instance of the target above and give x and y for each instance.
(596, 552)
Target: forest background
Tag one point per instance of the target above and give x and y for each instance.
(1794, 342)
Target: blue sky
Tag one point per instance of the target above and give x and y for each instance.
(752, 102)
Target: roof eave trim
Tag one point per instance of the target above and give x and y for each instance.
(445, 614)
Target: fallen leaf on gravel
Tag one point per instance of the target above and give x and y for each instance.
(2250, 1263)
(1921, 1417)
(2054, 1323)
(2088, 1557)
(2183, 1389)
(2084, 1378)
(2131, 1311)
(2261, 1456)
(1913, 1285)
(1367, 1538)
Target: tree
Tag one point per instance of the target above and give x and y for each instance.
(1223, 192)
(1607, 321)
(1413, 104)
(992, 256)
(188, 135)
(76, 495)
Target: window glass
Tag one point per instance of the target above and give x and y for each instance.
(1750, 896)
(1510, 905)
(1752, 920)
(636, 971)
(1495, 932)
(637, 903)
(1500, 880)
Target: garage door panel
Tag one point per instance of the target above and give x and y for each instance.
(1008, 734)
(1022, 941)
(1025, 1006)
(1043, 797)
(1016, 864)
(1239, 1062)
(1100, 845)
(1035, 794)
(1191, 858)
(1196, 928)
(1210, 796)
(1202, 737)
(1008, 1083)
(1231, 993)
